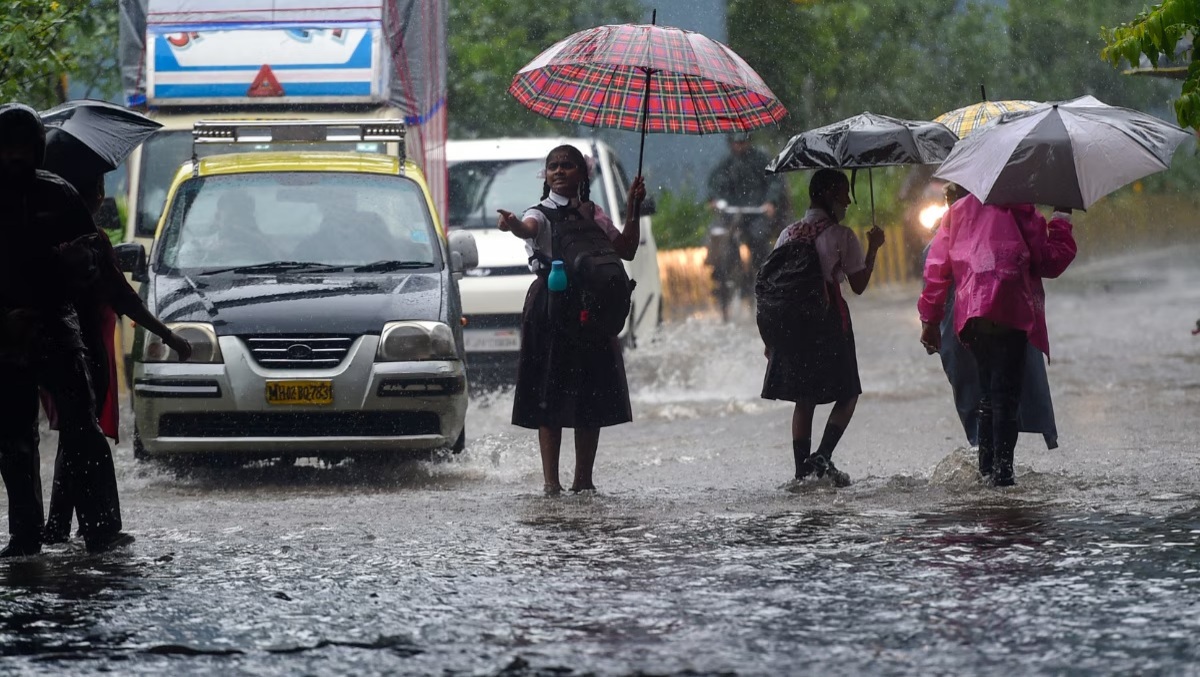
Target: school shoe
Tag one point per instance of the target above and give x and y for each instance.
(108, 542)
(21, 547)
(823, 466)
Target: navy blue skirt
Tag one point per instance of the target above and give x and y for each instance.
(566, 379)
(820, 368)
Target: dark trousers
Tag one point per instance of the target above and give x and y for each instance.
(58, 519)
(999, 354)
(90, 480)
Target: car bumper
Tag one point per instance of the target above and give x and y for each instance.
(377, 407)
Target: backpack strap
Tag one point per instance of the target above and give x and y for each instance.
(554, 216)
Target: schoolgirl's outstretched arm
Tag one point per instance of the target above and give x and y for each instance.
(508, 222)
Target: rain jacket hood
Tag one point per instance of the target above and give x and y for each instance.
(20, 122)
(997, 257)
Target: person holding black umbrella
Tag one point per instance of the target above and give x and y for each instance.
(46, 261)
(98, 306)
(821, 366)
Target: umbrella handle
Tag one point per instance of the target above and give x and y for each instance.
(645, 114)
(646, 101)
(871, 183)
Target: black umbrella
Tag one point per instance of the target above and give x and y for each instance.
(108, 131)
(863, 142)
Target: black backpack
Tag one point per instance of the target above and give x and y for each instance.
(791, 293)
(599, 291)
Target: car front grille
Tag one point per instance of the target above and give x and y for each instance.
(299, 352)
(299, 424)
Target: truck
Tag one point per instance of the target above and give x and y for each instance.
(183, 61)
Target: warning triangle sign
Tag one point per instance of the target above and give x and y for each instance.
(265, 84)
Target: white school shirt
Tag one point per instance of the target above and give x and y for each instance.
(543, 242)
(839, 249)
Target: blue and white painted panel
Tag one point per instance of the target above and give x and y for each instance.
(217, 64)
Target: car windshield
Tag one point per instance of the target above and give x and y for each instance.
(164, 153)
(478, 189)
(219, 223)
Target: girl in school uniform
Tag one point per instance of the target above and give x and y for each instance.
(578, 383)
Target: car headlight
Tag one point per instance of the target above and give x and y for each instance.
(411, 341)
(201, 335)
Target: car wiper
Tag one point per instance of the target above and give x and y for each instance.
(276, 267)
(388, 266)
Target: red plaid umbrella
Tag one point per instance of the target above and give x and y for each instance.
(646, 78)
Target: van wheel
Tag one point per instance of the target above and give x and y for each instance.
(460, 444)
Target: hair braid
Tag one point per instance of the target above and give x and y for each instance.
(545, 190)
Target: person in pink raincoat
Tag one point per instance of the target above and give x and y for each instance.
(996, 257)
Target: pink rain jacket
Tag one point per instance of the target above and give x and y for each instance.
(996, 257)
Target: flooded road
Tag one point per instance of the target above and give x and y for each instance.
(693, 558)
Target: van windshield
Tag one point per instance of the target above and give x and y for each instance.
(165, 152)
(329, 218)
(479, 188)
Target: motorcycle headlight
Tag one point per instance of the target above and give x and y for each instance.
(412, 341)
(201, 335)
(931, 213)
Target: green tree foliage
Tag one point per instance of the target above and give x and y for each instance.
(96, 32)
(42, 42)
(830, 59)
(33, 55)
(1156, 32)
(490, 40)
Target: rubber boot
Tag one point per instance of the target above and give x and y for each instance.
(986, 443)
(1003, 475)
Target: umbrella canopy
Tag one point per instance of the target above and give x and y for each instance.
(646, 78)
(1068, 154)
(963, 121)
(865, 141)
(108, 131)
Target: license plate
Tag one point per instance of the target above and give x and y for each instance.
(492, 340)
(299, 392)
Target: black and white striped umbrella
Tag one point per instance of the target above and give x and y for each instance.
(1067, 154)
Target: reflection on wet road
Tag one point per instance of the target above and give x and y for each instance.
(693, 558)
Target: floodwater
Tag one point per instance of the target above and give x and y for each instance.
(694, 558)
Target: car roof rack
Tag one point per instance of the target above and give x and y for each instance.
(306, 132)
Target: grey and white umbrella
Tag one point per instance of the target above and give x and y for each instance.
(1067, 154)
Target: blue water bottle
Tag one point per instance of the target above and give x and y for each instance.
(558, 277)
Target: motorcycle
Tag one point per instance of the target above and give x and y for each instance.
(733, 227)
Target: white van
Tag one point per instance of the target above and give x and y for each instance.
(491, 174)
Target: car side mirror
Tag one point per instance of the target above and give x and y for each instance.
(649, 206)
(131, 258)
(108, 216)
(464, 253)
